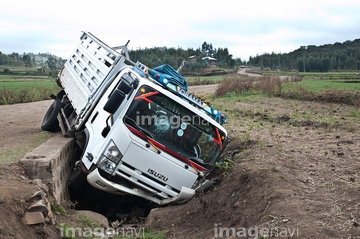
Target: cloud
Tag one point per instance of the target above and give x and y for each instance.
(245, 28)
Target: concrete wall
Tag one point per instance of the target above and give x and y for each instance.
(52, 162)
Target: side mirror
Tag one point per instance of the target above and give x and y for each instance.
(114, 101)
(125, 83)
(105, 131)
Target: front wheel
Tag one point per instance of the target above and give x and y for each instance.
(77, 178)
(50, 121)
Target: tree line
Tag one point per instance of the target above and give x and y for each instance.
(156, 56)
(15, 59)
(151, 57)
(31, 64)
(329, 57)
(324, 58)
(31, 60)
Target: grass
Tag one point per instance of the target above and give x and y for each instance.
(309, 74)
(87, 221)
(10, 78)
(17, 86)
(205, 80)
(19, 68)
(12, 92)
(58, 209)
(294, 87)
(322, 85)
(14, 154)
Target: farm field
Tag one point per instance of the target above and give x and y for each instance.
(322, 85)
(21, 89)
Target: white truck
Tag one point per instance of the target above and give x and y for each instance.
(140, 131)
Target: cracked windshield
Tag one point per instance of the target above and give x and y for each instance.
(177, 128)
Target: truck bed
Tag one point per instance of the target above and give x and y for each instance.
(86, 69)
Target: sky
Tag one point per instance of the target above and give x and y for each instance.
(245, 28)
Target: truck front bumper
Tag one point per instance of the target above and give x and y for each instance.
(96, 180)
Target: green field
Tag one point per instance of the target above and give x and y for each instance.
(22, 78)
(30, 85)
(20, 68)
(22, 89)
(214, 79)
(27, 88)
(320, 81)
(323, 85)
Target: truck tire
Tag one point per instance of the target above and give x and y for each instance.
(76, 179)
(50, 121)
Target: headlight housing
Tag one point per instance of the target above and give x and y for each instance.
(107, 166)
(110, 158)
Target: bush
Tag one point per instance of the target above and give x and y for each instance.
(235, 84)
(264, 84)
(269, 85)
(6, 71)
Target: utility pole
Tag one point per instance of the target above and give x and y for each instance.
(304, 52)
(279, 64)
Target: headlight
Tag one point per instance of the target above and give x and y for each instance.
(113, 152)
(108, 166)
(110, 158)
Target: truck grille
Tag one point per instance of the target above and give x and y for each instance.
(150, 184)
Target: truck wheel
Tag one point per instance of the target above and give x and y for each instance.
(77, 179)
(50, 121)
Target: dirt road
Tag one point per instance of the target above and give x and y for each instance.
(20, 122)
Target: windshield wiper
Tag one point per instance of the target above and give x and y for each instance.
(200, 161)
(135, 125)
(145, 133)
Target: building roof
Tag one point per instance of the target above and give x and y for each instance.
(208, 58)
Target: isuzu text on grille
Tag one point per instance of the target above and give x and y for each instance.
(158, 175)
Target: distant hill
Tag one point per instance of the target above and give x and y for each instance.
(329, 57)
(31, 60)
(311, 58)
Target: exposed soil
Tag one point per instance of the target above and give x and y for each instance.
(19, 123)
(291, 171)
(289, 177)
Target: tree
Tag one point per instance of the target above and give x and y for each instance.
(27, 60)
(207, 50)
(52, 63)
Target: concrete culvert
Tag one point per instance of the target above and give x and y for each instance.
(122, 208)
(126, 209)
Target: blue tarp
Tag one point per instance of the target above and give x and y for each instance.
(172, 75)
